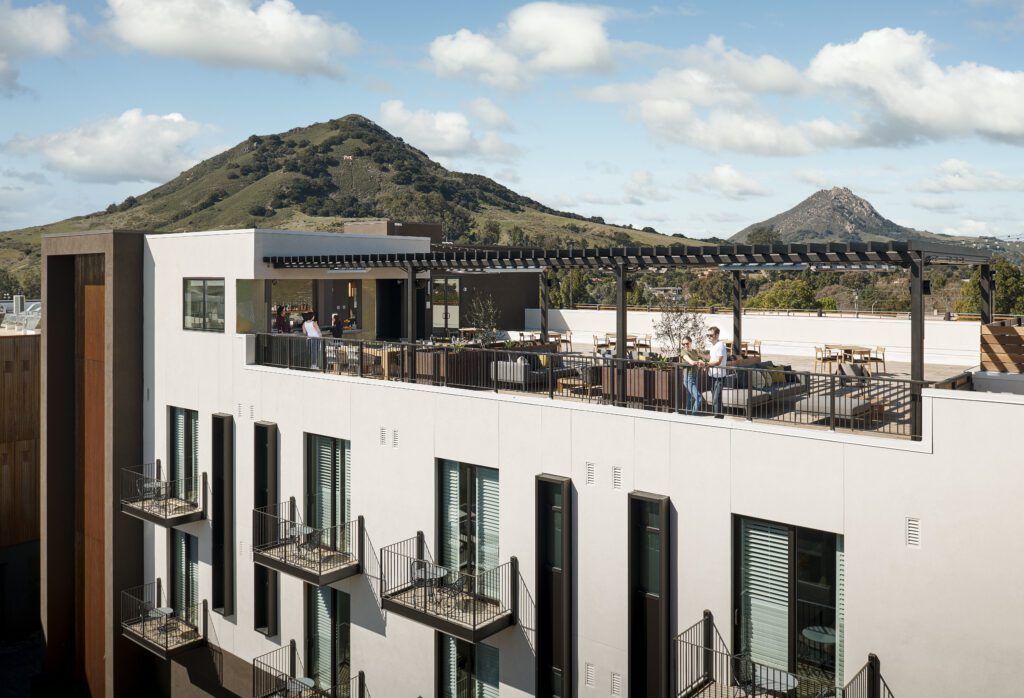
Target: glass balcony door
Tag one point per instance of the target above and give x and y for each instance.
(444, 305)
(469, 504)
(328, 637)
(466, 670)
(184, 571)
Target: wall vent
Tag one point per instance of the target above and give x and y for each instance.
(617, 478)
(239, 410)
(589, 674)
(616, 684)
(913, 532)
(394, 438)
(591, 474)
(383, 436)
(252, 412)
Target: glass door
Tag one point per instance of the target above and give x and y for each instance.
(466, 670)
(444, 304)
(328, 638)
(184, 572)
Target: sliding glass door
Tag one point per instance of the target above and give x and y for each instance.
(466, 670)
(328, 486)
(469, 508)
(789, 591)
(184, 571)
(327, 640)
(184, 448)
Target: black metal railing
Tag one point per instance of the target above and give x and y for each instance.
(705, 667)
(143, 488)
(148, 616)
(280, 673)
(279, 532)
(411, 578)
(858, 402)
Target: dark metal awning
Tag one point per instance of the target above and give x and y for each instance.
(480, 259)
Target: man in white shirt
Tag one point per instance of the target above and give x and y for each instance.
(716, 363)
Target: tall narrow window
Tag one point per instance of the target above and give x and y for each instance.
(327, 638)
(789, 600)
(468, 508)
(265, 476)
(554, 586)
(184, 572)
(328, 485)
(184, 448)
(222, 466)
(466, 670)
(649, 595)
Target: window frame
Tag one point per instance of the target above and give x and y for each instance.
(205, 313)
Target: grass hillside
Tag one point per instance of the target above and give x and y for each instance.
(317, 177)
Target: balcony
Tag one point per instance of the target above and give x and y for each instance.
(471, 607)
(319, 556)
(148, 620)
(280, 673)
(705, 668)
(145, 495)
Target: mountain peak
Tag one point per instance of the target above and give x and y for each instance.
(835, 214)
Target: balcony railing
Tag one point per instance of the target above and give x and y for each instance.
(470, 606)
(280, 673)
(150, 620)
(146, 495)
(705, 668)
(318, 555)
(859, 403)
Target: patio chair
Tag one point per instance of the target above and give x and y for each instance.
(565, 343)
(755, 348)
(825, 358)
(878, 357)
(601, 344)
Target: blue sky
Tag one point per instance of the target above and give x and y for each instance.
(694, 118)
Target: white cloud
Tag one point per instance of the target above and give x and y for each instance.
(270, 34)
(893, 71)
(728, 181)
(764, 73)
(507, 175)
(37, 30)
(935, 203)
(640, 187)
(489, 114)
(443, 133)
(536, 38)
(972, 227)
(957, 175)
(813, 177)
(133, 147)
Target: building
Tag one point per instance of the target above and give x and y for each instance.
(268, 515)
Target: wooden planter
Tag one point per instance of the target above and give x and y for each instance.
(1002, 347)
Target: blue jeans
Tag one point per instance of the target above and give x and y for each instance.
(716, 394)
(694, 400)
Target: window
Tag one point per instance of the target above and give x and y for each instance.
(203, 305)
(466, 670)
(468, 509)
(649, 585)
(223, 539)
(184, 574)
(327, 638)
(554, 586)
(789, 594)
(265, 475)
(184, 448)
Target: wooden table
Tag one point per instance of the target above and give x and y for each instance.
(574, 385)
(851, 350)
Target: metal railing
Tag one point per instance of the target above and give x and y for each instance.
(411, 578)
(860, 403)
(280, 673)
(147, 615)
(278, 531)
(142, 487)
(705, 667)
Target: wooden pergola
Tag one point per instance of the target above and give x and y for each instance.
(736, 260)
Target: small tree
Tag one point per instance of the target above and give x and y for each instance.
(674, 325)
(482, 313)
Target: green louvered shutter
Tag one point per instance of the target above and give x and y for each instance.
(192, 486)
(449, 499)
(323, 632)
(193, 572)
(179, 570)
(342, 639)
(487, 510)
(323, 478)
(177, 473)
(764, 593)
(447, 649)
(486, 671)
(840, 608)
(346, 496)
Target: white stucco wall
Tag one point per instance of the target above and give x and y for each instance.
(955, 343)
(928, 613)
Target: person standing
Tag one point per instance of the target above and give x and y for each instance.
(311, 329)
(281, 323)
(337, 327)
(716, 363)
(692, 360)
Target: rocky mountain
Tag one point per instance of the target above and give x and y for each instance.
(829, 215)
(316, 177)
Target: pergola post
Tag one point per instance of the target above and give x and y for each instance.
(544, 303)
(737, 312)
(410, 304)
(988, 296)
(916, 343)
(620, 330)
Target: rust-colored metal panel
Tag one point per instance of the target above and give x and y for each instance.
(93, 468)
(19, 439)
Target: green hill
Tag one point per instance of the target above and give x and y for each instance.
(317, 177)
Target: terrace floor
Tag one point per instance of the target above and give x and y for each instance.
(317, 559)
(169, 634)
(168, 508)
(455, 607)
